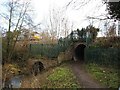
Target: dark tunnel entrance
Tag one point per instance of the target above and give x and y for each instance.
(79, 52)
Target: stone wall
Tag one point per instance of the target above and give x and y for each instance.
(65, 56)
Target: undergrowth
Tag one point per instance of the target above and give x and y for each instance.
(108, 77)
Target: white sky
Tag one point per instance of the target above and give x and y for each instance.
(92, 9)
(77, 17)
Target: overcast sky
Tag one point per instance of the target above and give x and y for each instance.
(76, 15)
(95, 8)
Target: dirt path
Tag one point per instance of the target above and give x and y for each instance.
(83, 77)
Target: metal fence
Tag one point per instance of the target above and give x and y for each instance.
(47, 50)
(103, 56)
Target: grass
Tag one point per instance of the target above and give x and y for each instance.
(62, 77)
(108, 77)
(57, 77)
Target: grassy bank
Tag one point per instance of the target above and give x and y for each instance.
(61, 77)
(108, 77)
(57, 77)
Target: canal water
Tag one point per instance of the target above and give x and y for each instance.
(14, 82)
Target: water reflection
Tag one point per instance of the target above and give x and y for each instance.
(14, 82)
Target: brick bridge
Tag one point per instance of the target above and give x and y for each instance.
(75, 51)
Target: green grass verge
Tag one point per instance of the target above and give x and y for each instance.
(62, 77)
(106, 76)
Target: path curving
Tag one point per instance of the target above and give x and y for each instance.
(84, 78)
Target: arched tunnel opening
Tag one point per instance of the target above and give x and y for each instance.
(79, 52)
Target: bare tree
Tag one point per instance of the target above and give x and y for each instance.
(58, 25)
(18, 16)
(111, 32)
(77, 4)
